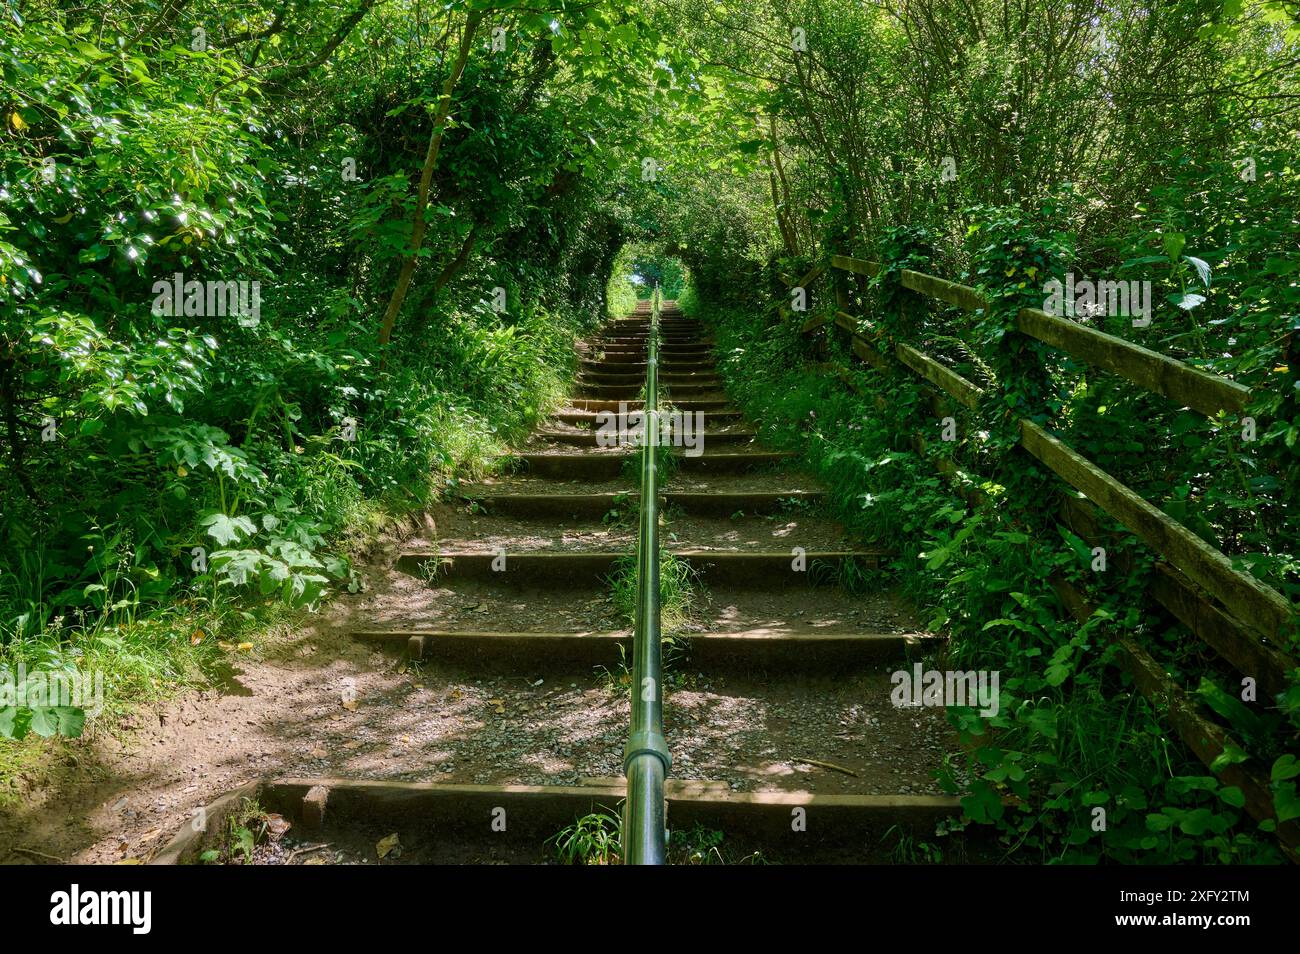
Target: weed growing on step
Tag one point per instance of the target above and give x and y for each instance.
(434, 568)
(595, 839)
(850, 574)
(622, 514)
(697, 845)
(622, 587)
(907, 850)
(856, 577)
(700, 845)
(616, 679)
(508, 465)
(795, 505)
(474, 506)
(667, 463)
(678, 586)
(246, 828)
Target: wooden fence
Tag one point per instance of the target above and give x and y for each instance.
(1236, 615)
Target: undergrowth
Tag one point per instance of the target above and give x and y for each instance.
(597, 839)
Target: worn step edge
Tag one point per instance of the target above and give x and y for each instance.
(589, 389)
(609, 464)
(665, 377)
(585, 568)
(590, 417)
(629, 438)
(693, 404)
(721, 504)
(520, 651)
(638, 358)
(538, 811)
(639, 367)
(668, 350)
(642, 337)
(763, 456)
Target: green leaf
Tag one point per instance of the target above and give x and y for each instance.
(1041, 719)
(1286, 803)
(1286, 767)
(44, 722)
(226, 530)
(983, 804)
(95, 253)
(1159, 822)
(14, 722)
(1186, 300)
(1202, 268)
(48, 721)
(1231, 755)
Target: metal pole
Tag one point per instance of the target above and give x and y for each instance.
(646, 761)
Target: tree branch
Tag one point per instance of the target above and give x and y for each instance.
(426, 177)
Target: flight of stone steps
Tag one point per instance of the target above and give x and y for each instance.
(778, 704)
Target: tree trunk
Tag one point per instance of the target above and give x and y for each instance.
(426, 177)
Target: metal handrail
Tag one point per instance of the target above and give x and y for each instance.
(646, 760)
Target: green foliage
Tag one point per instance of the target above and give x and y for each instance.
(246, 828)
(678, 585)
(638, 267)
(699, 845)
(173, 477)
(173, 470)
(595, 839)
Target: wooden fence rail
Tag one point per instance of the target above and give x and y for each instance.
(1158, 373)
(1248, 630)
(1258, 604)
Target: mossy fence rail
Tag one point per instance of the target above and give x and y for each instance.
(1243, 620)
